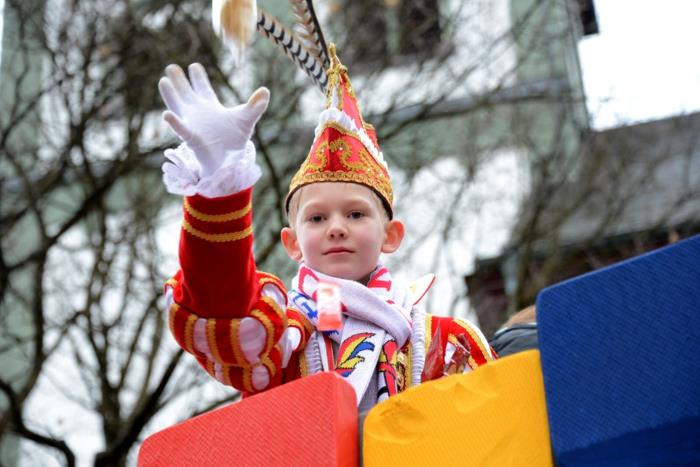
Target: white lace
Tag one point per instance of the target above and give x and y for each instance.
(181, 174)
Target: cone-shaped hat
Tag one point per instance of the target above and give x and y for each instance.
(345, 148)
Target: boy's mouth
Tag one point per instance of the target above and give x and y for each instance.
(336, 250)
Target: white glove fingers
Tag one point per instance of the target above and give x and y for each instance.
(257, 103)
(167, 92)
(200, 82)
(174, 158)
(179, 81)
(177, 125)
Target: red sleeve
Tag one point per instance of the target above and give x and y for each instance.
(218, 278)
(217, 286)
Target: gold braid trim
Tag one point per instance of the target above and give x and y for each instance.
(217, 238)
(248, 379)
(229, 216)
(264, 280)
(267, 363)
(304, 321)
(171, 282)
(275, 306)
(475, 337)
(211, 340)
(409, 367)
(226, 374)
(302, 364)
(236, 342)
(211, 369)
(189, 333)
(351, 177)
(300, 326)
(269, 327)
(428, 331)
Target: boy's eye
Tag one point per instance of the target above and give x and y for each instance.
(356, 214)
(316, 218)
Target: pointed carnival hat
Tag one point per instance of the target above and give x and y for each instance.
(345, 148)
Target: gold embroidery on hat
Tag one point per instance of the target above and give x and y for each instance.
(350, 177)
(345, 153)
(320, 154)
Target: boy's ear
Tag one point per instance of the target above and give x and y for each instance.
(290, 243)
(394, 235)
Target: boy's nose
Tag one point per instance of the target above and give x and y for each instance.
(337, 229)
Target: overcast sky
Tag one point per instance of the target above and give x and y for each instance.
(644, 62)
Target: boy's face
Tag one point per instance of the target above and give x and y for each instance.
(340, 229)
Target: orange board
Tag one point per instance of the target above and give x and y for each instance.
(308, 422)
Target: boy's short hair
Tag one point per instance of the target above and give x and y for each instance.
(294, 204)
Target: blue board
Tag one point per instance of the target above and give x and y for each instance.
(620, 350)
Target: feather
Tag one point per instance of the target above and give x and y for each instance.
(293, 47)
(234, 22)
(309, 29)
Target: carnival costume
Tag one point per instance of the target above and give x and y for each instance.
(244, 326)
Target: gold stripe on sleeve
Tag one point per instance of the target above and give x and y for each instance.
(217, 238)
(229, 216)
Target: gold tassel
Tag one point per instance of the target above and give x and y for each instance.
(234, 21)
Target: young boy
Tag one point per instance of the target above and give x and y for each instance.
(242, 325)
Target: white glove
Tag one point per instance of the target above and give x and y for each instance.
(196, 115)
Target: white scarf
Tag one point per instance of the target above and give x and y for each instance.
(376, 323)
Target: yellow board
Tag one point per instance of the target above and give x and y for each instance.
(493, 416)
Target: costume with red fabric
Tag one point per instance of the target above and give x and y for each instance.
(243, 326)
(218, 286)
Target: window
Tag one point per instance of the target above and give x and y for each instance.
(377, 30)
(589, 21)
(419, 26)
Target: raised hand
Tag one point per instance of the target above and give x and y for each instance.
(209, 128)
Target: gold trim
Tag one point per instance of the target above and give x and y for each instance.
(428, 332)
(342, 176)
(270, 365)
(269, 327)
(266, 278)
(236, 343)
(189, 333)
(320, 154)
(171, 282)
(409, 366)
(293, 323)
(276, 308)
(226, 374)
(211, 340)
(475, 337)
(247, 377)
(341, 129)
(217, 238)
(303, 370)
(229, 216)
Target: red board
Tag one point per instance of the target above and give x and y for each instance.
(311, 421)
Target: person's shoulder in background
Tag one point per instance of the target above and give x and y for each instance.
(517, 334)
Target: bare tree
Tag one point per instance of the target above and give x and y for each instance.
(82, 201)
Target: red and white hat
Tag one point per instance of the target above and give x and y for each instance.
(345, 148)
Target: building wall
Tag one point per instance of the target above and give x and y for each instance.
(18, 43)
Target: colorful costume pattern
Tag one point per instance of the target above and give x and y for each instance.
(237, 321)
